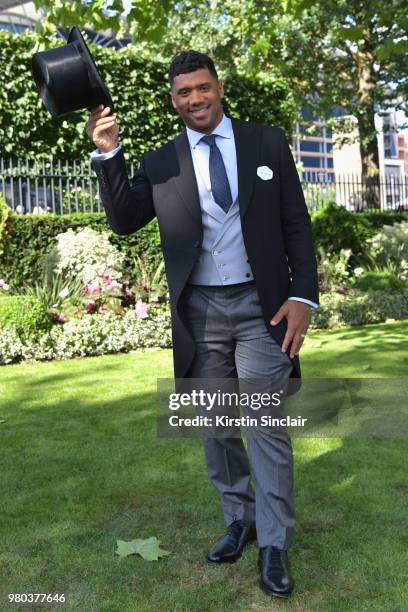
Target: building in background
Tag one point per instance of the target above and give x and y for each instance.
(314, 152)
(335, 168)
(18, 16)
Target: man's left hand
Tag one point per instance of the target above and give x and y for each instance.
(298, 315)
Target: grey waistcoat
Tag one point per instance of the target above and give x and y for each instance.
(223, 259)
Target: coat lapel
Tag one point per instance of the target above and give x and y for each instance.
(247, 144)
(185, 181)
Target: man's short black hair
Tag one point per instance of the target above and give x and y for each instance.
(189, 61)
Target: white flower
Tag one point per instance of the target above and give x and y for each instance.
(358, 271)
(64, 292)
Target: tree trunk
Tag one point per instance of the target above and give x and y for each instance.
(370, 162)
(366, 124)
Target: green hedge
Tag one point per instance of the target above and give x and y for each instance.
(29, 237)
(335, 228)
(379, 281)
(140, 92)
(378, 218)
(337, 310)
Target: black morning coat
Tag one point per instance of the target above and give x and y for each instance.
(275, 222)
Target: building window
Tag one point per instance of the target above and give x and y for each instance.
(310, 145)
(311, 162)
(15, 28)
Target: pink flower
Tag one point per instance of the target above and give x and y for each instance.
(128, 291)
(4, 285)
(92, 289)
(106, 277)
(90, 306)
(58, 317)
(141, 309)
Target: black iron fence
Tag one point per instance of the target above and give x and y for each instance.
(63, 187)
(357, 193)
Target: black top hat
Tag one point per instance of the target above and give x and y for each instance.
(67, 78)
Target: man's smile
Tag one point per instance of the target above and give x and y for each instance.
(200, 112)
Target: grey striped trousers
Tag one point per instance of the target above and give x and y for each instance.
(233, 342)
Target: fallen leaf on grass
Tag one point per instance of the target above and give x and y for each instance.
(149, 549)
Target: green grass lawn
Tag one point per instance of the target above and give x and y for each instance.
(81, 466)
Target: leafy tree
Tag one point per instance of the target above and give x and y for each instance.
(347, 53)
(151, 15)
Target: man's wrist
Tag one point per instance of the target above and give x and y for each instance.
(98, 156)
(105, 151)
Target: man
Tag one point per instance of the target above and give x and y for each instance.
(241, 269)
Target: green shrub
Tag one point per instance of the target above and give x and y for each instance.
(25, 315)
(390, 245)
(85, 253)
(58, 293)
(30, 237)
(91, 335)
(378, 218)
(335, 228)
(333, 271)
(379, 281)
(359, 309)
(11, 346)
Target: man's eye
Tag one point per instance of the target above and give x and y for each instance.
(204, 87)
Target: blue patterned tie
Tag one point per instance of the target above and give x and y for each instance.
(218, 175)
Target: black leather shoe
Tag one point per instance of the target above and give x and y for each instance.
(229, 548)
(276, 578)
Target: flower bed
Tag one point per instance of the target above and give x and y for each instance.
(91, 335)
(83, 307)
(103, 333)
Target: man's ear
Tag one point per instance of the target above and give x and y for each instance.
(221, 88)
(172, 99)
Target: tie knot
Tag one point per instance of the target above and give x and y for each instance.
(209, 140)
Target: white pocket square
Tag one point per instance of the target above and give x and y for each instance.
(264, 172)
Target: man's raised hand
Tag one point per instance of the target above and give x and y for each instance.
(102, 129)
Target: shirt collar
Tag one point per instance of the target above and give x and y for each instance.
(224, 129)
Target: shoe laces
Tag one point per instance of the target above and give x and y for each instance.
(275, 558)
(235, 528)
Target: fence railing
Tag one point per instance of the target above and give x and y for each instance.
(63, 187)
(357, 193)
